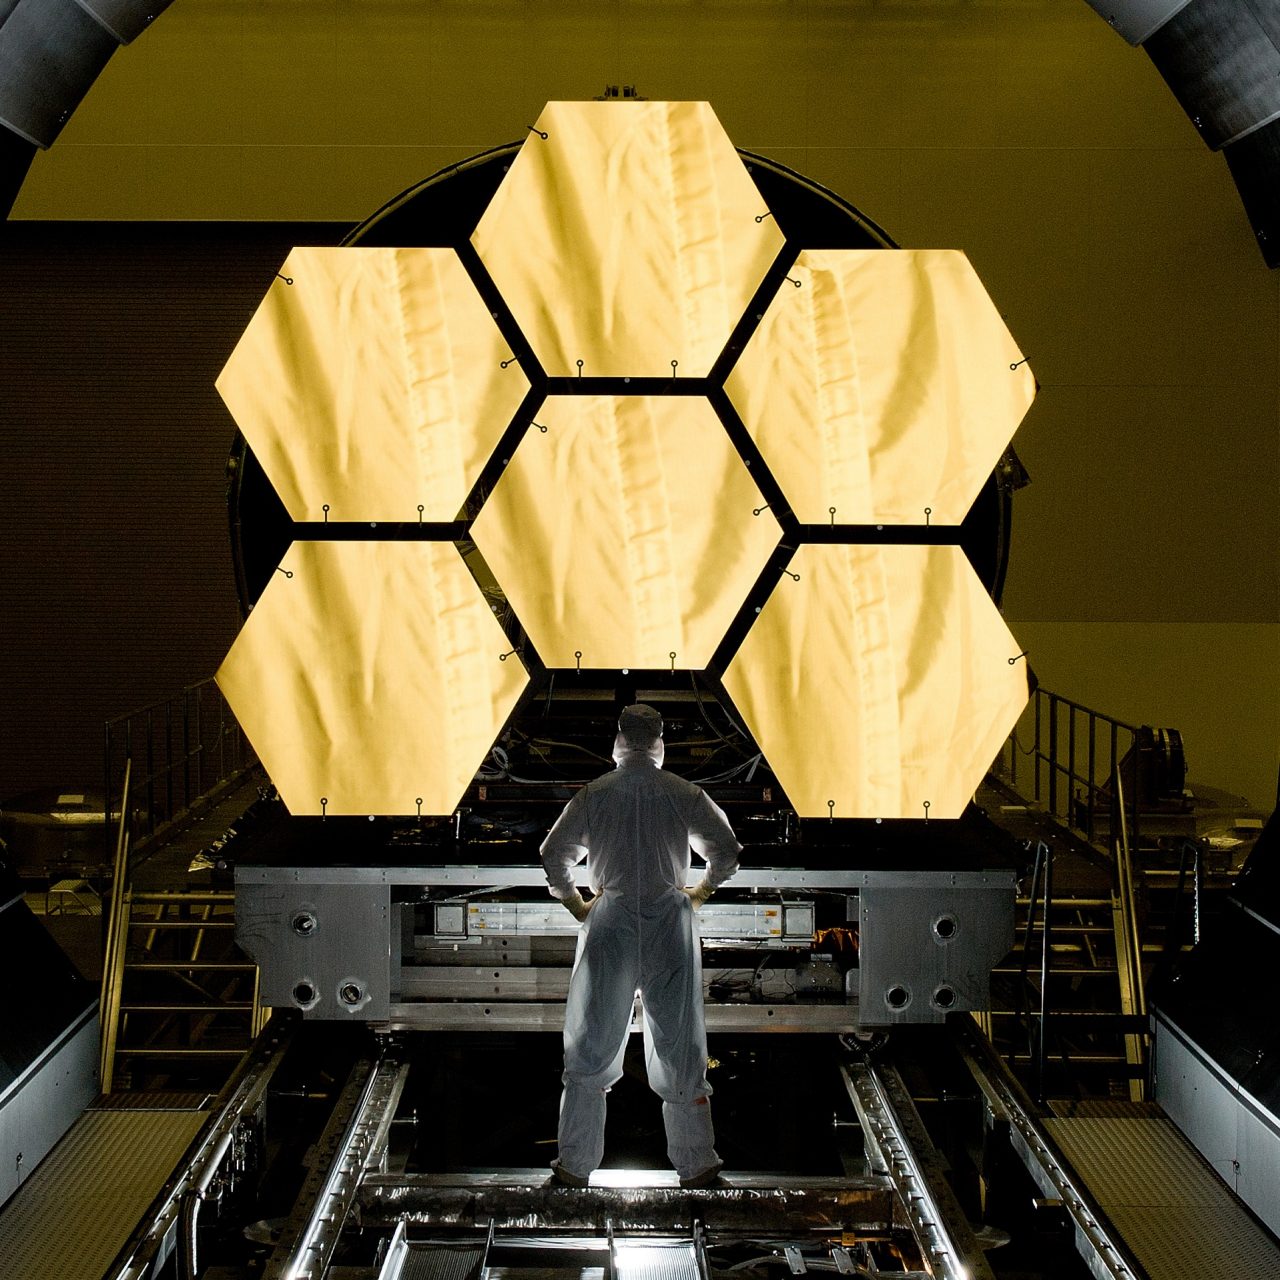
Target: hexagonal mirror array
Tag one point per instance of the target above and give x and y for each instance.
(370, 678)
(881, 386)
(623, 532)
(371, 384)
(880, 680)
(624, 529)
(626, 241)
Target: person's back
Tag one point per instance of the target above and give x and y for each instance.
(636, 826)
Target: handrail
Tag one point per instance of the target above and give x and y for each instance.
(1133, 1001)
(1125, 863)
(1077, 778)
(184, 748)
(113, 960)
(1071, 777)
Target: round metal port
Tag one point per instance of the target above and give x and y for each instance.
(944, 997)
(945, 928)
(304, 924)
(897, 997)
(350, 993)
(304, 994)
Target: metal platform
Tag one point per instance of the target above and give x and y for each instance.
(1174, 1212)
(73, 1214)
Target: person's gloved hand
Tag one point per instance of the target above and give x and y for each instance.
(578, 908)
(699, 893)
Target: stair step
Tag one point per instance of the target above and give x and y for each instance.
(135, 923)
(177, 1051)
(238, 1006)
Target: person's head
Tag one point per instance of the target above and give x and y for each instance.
(639, 733)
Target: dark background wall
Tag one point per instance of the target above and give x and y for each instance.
(1145, 578)
(115, 560)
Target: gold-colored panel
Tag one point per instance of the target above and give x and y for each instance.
(879, 681)
(369, 674)
(885, 383)
(629, 238)
(624, 532)
(372, 383)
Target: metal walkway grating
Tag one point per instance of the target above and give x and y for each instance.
(655, 1261)
(71, 1217)
(1172, 1210)
(440, 1262)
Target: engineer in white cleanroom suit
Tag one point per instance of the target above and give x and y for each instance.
(636, 826)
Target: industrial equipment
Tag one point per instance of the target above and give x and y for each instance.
(618, 414)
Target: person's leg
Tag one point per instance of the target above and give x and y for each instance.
(597, 1014)
(676, 1038)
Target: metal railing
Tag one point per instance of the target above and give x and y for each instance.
(1069, 756)
(1077, 775)
(181, 750)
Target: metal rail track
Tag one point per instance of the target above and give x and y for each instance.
(904, 1187)
(155, 1237)
(1007, 1106)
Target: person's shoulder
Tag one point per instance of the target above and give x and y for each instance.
(680, 786)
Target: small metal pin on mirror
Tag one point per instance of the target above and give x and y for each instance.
(533, 128)
(288, 573)
(286, 279)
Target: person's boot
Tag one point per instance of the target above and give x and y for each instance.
(708, 1177)
(561, 1177)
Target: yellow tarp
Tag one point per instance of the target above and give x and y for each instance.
(371, 677)
(879, 681)
(373, 383)
(625, 532)
(627, 238)
(884, 384)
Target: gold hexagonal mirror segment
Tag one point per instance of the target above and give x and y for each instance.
(627, 236)
(879, 681)
(624, 533)
(370, 382)
(369, 679)
(884, 384)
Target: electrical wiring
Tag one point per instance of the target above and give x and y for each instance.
(728, 775)
(706, 719)
(697, 697)
(572, 746)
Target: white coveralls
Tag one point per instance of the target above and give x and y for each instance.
(636, 827)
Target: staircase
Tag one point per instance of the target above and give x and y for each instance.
(1066, 1007)
(182, 999)
(179, 1002)
(1125, 882)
